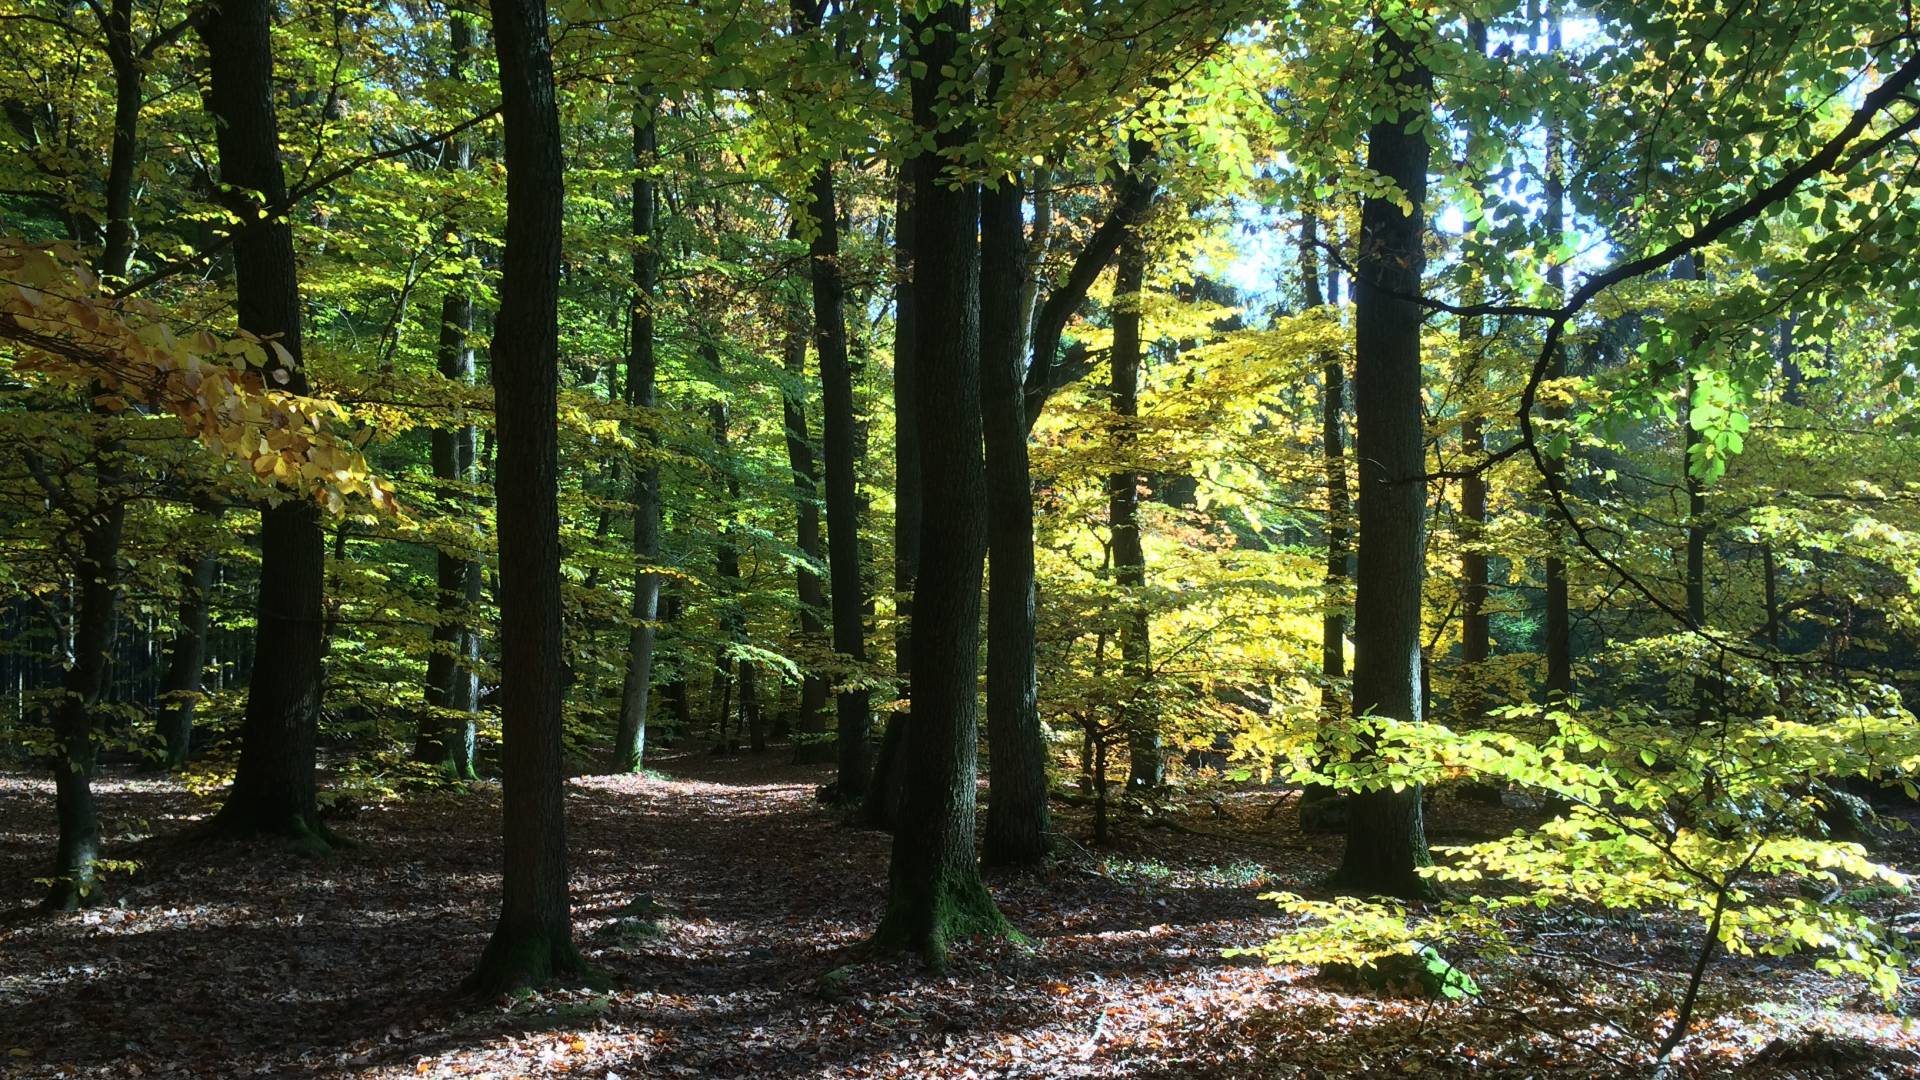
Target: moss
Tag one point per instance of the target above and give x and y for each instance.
(519, 961)
(927, 920)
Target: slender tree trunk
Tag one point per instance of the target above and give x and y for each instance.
(186, 661)
(1333, 393)
(446, 735)
(1559, 621)
(533, 941)
(843, 509)
(934, 891)
(814, 747)
(1017, 820)
(882, 804)
(1146, 764)
(1476, 638)
(273, 787)
(96, 584)
(630, 740)
(1386, 838)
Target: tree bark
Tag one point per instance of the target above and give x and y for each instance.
(1146, 763)
(1386, 837)
(809, 590)
(882, 804)
(934, 891)
(446, 735)
(1559, 620)
(1476, 639)
(186, 661)
(273, 787)
(630, 740)
(96, 585)
(1017, 818)
(533, 940)
(843, 508)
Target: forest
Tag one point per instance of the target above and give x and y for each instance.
(966, 538)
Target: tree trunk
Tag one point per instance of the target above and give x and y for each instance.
(882, 804)
(1017, 819)
(446, 734)
(1559, 620)
(273, 786)
(1476, 638)
(814, 746)
(1386, 838)
(96, 584)
(1146, 764)
(533, 941)
(186, 661)
(630, 740)
(934, 891)
(843, 509)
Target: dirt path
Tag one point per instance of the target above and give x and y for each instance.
(717, 900)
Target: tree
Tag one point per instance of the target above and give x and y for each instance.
(837, 445)
(533, 941)
(934, 892)
(630, 740)
(1386, 837)
(1146, 767)
(273, 787)
(446, 735)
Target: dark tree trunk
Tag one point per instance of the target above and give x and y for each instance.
(96, 584)
(1146, 764)
(843, 507)
(1017, 820)
(1333, 394)
(882, 804)
(1559, 618)
(814, 746)
(533, 941)
(273, 786)
(630, 740)
(1476, 638)
(934, 892)
(116, 258)
(727, 575)
(1386, 838)
(446, 733)
(186, 661)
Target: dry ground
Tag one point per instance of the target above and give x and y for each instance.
(728, 907)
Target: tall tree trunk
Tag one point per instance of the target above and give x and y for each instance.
(882, 804)
(273, 787)
(1146, 764)
(446, 734)
(1559, 619)
(630, 740)
(813, 747)
(934, 891)
(186, 661)
(1017, 819)
(843, 508)
(726, 560)
(1476, 639)
(1386, 838)
(1333, 393)
(533, 941)
(96, 584)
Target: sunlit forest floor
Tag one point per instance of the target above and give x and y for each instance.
(728, 907)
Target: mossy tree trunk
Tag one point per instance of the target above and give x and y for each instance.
(935, 895)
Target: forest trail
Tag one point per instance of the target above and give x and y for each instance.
(729, 907)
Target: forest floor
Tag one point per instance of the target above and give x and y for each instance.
(728, 907)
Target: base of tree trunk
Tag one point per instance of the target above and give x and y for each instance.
(304, 831)
(1386, 846)
(71, 894)
(518, 959)
(927, 923)
(1014, 846)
